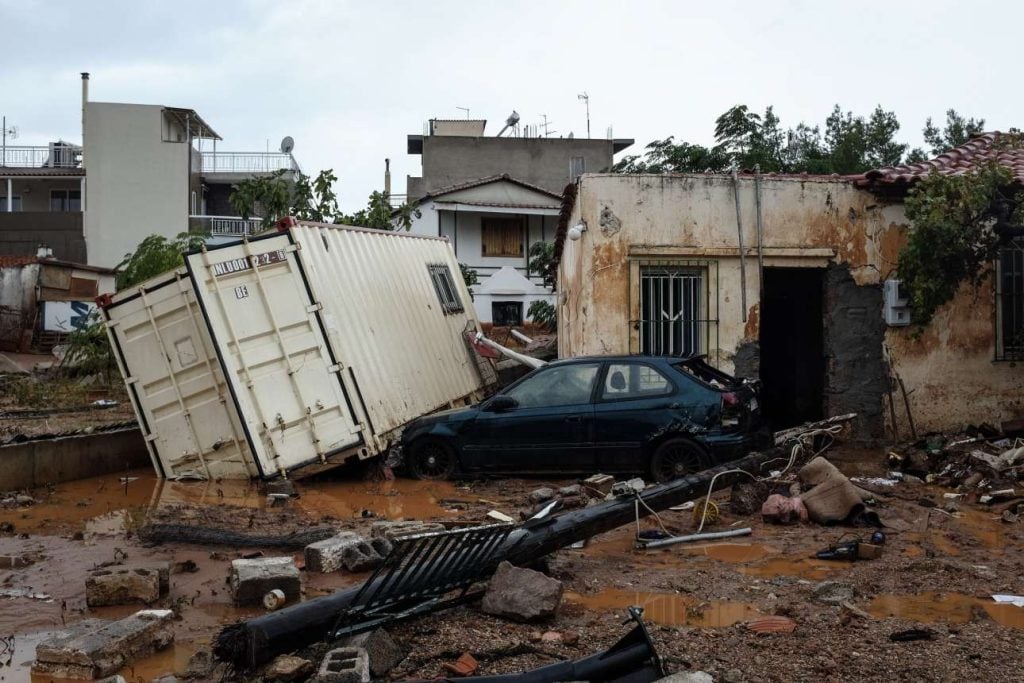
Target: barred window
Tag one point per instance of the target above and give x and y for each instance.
(1010, 302)
(447, 292)
(670, 310)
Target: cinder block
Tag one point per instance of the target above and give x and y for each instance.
(345, 665)
(120, 585)
(383, 652)
(252, 579)
(95, 648)
(601, 483)
(347, 549)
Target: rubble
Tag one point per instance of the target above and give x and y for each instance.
(120, 585)
(344, 665)
(521, 594)
(252, 579)
(541, 495)
(95, 648)
(348, 550)
(397, 529)
(383, 652)
(288, 668)
(834, 592)
(599, 484)
(465, 665)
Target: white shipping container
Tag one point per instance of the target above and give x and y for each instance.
(295, 351)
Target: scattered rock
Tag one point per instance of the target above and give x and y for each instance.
(747, 497)
(733, 676)
(571, 638)
(22, 499)
(344, 665)
(383, 652)
(521, 594)
(95, 648)
(551, 637)
(185, 567)
(571, 491)
(288, 668)
(834, 592)
(200, 664)
(116, 678)
(251, 579)
(541, 495)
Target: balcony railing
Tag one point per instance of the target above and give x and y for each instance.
(226, 226)
(396, 200)
(41, 156)
(247, 162)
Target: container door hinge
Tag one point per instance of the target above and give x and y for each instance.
(150, 438)
(334, 369)
(314, 308)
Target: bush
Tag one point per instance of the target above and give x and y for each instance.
(543, 314)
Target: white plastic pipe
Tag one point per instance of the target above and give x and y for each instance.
(660, 543)
(529, 361)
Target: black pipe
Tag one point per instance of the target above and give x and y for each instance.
(251, 643)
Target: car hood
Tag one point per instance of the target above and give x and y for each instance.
(445, 416)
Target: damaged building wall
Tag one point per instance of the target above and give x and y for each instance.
(808, 222)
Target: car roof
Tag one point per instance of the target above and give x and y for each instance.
(627, 357)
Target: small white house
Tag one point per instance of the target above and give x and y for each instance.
(491, 223)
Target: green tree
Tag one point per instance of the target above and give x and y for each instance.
(155, 255)
(957, 131)
(380, 215)
(542, 262)
(957, 225)
(666, 156)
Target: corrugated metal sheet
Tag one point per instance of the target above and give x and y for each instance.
(294, 350)
(386, 323)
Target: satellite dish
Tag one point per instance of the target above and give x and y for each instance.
(287, 144)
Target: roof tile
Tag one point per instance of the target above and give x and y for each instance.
(959, 160)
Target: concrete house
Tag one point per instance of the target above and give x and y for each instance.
(141, 170)
(494, 197)
(802, 296)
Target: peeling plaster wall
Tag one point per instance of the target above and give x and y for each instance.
(808, 222)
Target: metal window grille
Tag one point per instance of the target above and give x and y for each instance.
(1010, 302)
(447, 292)
(674, 308)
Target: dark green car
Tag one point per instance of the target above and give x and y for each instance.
(662, 417)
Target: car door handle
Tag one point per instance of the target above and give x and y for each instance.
(574, 418)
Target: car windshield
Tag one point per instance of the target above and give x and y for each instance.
(560, 385)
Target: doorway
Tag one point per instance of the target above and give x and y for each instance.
(792, 346)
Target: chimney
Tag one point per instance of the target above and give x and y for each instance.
(43, 251)
(85, 99)
(387, 177)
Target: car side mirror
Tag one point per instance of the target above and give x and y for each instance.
(500, 404)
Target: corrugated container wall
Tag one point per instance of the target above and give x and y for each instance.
(295, 351)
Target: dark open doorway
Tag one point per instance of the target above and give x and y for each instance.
(792, 345)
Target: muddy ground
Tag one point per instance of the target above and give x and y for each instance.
(937, 572)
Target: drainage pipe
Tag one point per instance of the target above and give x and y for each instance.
(739, 233)
(760, 232)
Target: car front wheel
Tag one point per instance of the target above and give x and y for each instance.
(676, 458)
(430, 459)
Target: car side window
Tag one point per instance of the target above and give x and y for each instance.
(563, 385)
(633, 380)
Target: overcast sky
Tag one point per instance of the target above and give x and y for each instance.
(349, 80)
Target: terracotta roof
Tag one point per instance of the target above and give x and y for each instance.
(7, 261)
(9, 171)
(501, 205)
(978, 150)
(486, 181)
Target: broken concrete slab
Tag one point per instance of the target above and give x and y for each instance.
(395, 530)
(521, 594)
(288, 668)
(253, 578)
(122, 585)
(95, 648)
(834, 592)
(600, 483)
(383, 652)
(347, 550)
(344, 665)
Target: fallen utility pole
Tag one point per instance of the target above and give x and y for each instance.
(251, 643)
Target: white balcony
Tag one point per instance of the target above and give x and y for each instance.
(226, 226)
(54, 155)
(247, 162)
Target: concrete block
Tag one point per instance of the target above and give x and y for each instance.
(95, 648)
(252, 579)
(383, 652)
(121, 585)
(395, 530)
(344, 665)
(347, 549)
(601, 483)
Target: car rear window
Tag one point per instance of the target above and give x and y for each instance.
(699, 370)
(633, 380)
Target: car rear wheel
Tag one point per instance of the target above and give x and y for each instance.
(431, 459)
(676, 458)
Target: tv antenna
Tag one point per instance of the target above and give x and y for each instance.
(465, 109)
(545, 126)
(586, 101)
(13, 133)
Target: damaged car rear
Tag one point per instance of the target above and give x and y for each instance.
(664, 417)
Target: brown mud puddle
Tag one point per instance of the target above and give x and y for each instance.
(952, 608)
(669, 609)
(114, 503)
